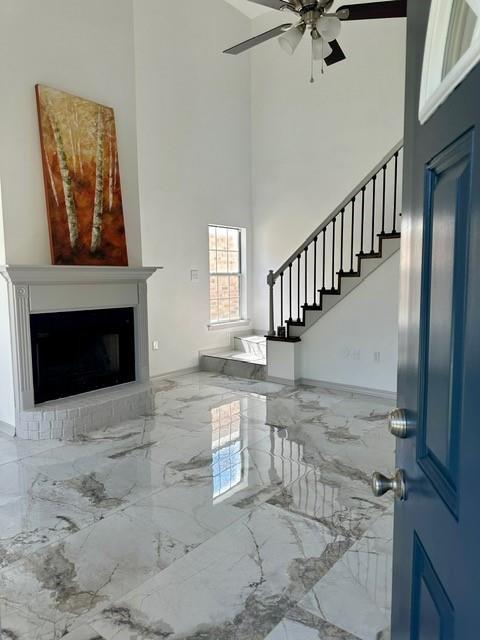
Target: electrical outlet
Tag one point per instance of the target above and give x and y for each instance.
(194, 275)
(376, 356)
(155, 345)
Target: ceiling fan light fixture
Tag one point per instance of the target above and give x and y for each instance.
(320, 48)
(329, 27)
(290, 40)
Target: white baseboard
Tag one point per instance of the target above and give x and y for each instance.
(364, 391)
(282, 381)
(177, 372)
(335, 386)
(215, 350)
(7, 429)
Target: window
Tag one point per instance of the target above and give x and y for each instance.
(225, 253)
(452, 49)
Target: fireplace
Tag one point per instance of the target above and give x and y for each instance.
(75, 330)
(79, 351)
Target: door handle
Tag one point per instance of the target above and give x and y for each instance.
(398, 424)
(381, 484)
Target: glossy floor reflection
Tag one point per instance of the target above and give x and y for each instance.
(240, 510)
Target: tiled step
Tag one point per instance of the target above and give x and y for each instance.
(239, 364)
(252, 345)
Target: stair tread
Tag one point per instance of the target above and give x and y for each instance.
(375, 254)
(330, 292)
(278, 339)
(397, 234)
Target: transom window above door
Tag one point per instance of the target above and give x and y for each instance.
(225, 255)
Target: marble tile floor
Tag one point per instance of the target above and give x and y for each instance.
(240, 510)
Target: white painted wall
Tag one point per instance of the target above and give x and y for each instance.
(193, 108)
(340, 348)
(85, 48)
(311, 144)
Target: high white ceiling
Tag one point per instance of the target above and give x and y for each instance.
(250, 9)
(253, 10)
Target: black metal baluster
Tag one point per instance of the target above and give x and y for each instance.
(315, 271)
(306, 276)
(298, 287)
(372, 250)
(341, 241)
(281, 299)
(323, 272)
(351, 235)
(333, 254)
(395, 195)
(363, 221)
(383, 197)
(290, 289)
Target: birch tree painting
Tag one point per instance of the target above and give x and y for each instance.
(82, 184)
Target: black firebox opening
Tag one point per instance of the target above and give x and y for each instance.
(79, 351)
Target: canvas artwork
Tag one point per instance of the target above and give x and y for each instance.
(82, 182)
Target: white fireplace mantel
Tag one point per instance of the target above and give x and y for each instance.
(58, 274)
(48, 289)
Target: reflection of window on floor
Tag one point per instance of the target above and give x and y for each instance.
(226, 447)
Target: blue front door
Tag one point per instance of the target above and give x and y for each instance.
(436, 590)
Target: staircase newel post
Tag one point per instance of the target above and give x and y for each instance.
(271, 283)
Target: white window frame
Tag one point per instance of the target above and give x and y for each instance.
(435, 89)
(243, 320)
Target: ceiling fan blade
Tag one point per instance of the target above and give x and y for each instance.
(263, 37)
(373, 10)
(337, 54)
(274, 4)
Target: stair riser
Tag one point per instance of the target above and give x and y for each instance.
(234, 368)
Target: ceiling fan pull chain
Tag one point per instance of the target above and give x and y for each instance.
(312, 79)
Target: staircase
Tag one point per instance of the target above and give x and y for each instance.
(353, 241)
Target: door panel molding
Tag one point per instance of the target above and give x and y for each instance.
(448, 184)
(433, 615)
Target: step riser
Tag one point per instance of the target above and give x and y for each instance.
(234, 368)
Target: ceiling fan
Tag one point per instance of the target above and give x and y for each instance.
(324, 27)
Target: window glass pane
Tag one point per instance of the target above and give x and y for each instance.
(213, 287)
(222, 239)
(463, 22)
(222, 262)
(213, 261)
(223, 287)
(212, 238)
(213, 311)
(223, 310)
(233, 262)
(234, 286)
(234, 240)
(234, 310)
